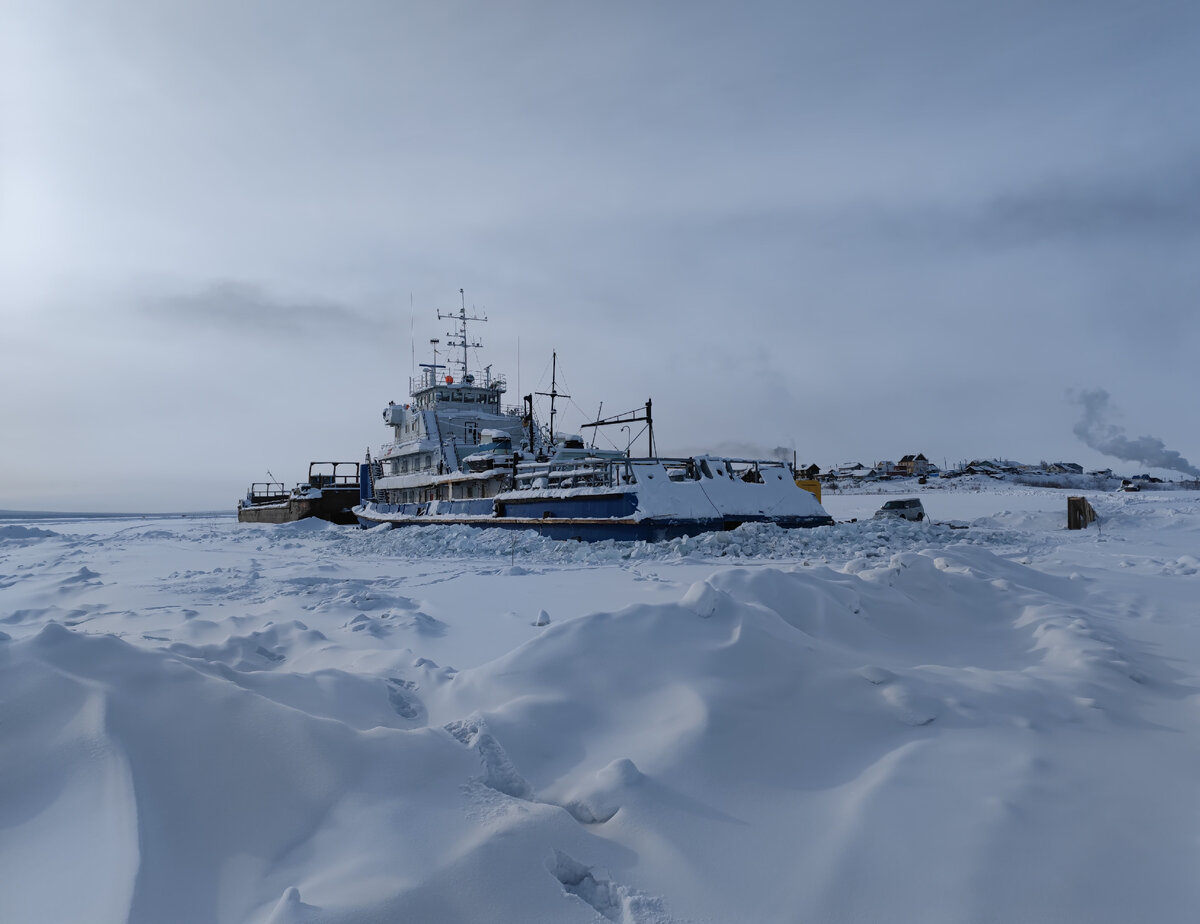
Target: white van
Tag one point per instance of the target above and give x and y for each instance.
(909, 508)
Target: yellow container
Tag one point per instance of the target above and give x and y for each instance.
(813, 487)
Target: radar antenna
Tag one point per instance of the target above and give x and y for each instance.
(459, 337)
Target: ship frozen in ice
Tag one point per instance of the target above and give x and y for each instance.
(458, 454)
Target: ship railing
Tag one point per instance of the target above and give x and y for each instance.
(747, 470)
(332, 474)
(267, 492)
(428, 379)
(574, 473)
(594, 472)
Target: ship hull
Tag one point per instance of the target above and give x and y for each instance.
(334, 506)
(560, 524)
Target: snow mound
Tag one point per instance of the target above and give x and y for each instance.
(878, 721)
(749, 541)
(13, 533)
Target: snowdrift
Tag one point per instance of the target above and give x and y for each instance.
(883, 721)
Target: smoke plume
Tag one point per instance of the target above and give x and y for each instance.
(737, 449)
(1110, 439)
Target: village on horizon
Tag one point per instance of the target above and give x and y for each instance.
(1043, 474)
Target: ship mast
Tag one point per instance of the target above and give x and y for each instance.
(553, 392)
(461, 334)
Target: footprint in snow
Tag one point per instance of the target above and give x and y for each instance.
(606, 897)
(498, 770)
(401, 704)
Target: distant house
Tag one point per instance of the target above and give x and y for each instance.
(856, 472)
(1064, 468)
(996, 466)
(914, 465)
(887, 468)
(813, 471)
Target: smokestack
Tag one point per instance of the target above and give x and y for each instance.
(1110, 439)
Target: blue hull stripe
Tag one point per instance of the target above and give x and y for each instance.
(585, 529)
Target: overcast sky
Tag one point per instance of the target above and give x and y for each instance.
(856, 229)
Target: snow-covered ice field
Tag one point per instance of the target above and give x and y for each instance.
(202, 721)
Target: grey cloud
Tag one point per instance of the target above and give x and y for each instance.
(1135, 206)
(1134, 203)
(242, 308)
(1138, 206)
(1149, 205)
